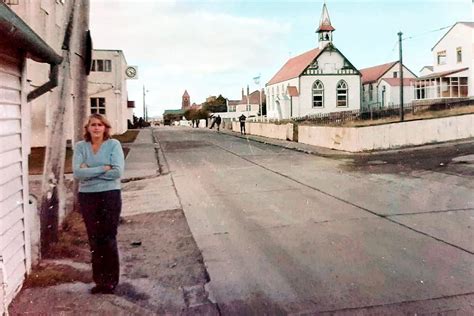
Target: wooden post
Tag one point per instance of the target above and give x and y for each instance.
(80, 73)
(55, 155)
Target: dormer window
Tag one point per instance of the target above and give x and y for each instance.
(442, 57)
(395, 74)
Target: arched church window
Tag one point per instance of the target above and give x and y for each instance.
(318, 94)
(327, 37)
(342, 93)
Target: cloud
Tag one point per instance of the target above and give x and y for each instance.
(185, 39)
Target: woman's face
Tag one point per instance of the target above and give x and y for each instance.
(96, 128)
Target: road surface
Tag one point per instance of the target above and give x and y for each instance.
(287, 232)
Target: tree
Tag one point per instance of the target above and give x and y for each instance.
(202, 114)
(217, 105)
(191, 114)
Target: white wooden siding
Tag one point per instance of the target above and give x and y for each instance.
(13, 259)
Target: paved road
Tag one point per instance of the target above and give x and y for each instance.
(282, 231)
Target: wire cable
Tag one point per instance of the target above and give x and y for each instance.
(425, 33)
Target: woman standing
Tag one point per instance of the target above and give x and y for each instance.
(98, 165)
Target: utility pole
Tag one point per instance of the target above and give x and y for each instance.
(53, 172)
(401, 75)
(80, 73)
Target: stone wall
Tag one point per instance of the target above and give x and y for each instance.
(277, 131)
(387, 136)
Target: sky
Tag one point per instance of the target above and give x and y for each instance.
(212, 47)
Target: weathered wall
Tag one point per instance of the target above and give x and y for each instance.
(386, 136)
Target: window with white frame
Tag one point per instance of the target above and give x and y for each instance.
(318, 94)
(98, 105)
(103, 65)
(342, 94)
(442, 57)
(371, 92)
(395, 74)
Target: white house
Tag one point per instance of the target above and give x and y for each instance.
(107, 89)
(381, 85)
(17, 42)
(249, 104)
(451, 76)
(321, 80)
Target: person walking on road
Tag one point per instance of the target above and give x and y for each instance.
(218, 122)
(213, 121)
(242, 119)
(98, 164)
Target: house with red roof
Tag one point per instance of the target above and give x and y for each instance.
(249, 104)
(381, 85)
(321, 80)
(451, 76)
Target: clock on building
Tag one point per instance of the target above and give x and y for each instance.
(131, 72)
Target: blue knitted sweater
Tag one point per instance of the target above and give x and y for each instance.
(94, 178)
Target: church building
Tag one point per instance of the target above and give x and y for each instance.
(321, 80)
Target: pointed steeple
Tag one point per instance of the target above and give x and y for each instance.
(325, 28)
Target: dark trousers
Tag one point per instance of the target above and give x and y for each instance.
(242, 128)
(101, 213)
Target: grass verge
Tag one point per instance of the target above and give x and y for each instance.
(127, 137)
(44, 275)
(72, 245)
(36, 160)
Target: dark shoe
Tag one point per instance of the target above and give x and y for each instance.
(102, 289)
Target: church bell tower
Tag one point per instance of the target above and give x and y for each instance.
(186, 102)
(325, 28)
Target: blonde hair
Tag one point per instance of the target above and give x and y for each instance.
(104, 120)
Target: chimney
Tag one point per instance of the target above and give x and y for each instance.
(242, 93)
(248, 90)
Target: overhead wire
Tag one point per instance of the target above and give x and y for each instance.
(428, 32)
(395, 45)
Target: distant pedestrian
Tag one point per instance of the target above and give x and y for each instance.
(242, 119)
(98, 164)
(218, 122)
(213, 122)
